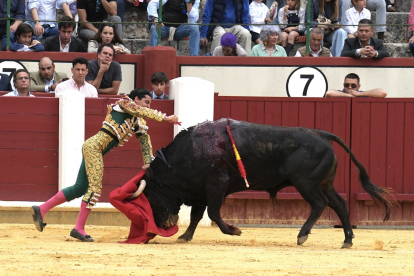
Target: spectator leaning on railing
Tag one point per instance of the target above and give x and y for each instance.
(351, 89)
(176, 11)
(364, 45)
(24, 40)
(64, 41)
(233, 17)
(16, 11)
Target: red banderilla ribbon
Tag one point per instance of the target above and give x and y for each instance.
(238, 159)
(179, 123)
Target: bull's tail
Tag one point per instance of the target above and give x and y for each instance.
(377, 193)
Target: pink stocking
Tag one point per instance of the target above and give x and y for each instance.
(83, 216)
(58, 199)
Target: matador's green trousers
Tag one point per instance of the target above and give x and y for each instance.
(89, 180)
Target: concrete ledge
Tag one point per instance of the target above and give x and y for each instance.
(65, 215)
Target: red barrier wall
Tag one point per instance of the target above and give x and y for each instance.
(383, 141)
(29, 143)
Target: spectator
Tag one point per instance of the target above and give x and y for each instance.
(364, 45)
(231, 14)
(259, 14)
(42, 12)
(77, 82)
(16, 11)
(68, 7)
(96, 11)
(104, 73)
(268, 48)
(5, 83)
(411, 21)
(21, 81)
(46, 79)
(64, 41)
(351, 89)
(354, 15)
(315, 46)
(334, 34)
(290, 15)
(159, 81)
(107, 34)
(23, 40)
(373, 5)
(229, 47)
(175, 11)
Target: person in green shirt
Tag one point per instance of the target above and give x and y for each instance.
(269, 36)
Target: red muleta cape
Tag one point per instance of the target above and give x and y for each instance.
(138, 210)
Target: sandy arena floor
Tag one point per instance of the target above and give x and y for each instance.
(259, 251)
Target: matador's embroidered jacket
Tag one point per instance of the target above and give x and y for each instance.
(125, 119)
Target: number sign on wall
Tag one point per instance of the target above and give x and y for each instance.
(306, 82)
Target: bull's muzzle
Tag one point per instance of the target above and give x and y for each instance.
(172, 220)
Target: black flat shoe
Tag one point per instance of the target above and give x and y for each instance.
(84, 238)
(37, 218)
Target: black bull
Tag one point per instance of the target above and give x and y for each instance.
(199, 169)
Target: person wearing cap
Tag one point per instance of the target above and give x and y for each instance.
(229, 47)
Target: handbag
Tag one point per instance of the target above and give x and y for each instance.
(323, 20)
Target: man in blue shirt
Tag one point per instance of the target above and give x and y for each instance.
(351, 89)
(16, 11)
(231, 14)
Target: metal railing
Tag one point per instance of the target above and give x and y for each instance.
(160, 22)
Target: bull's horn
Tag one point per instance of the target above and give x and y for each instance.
(141, 187)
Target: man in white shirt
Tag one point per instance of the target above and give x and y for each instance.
(77, 82)
(354, 15)
(42, 11)
(21, 81)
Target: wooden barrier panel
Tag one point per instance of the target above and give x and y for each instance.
(333, 115)
(383, 141)
(29, 143)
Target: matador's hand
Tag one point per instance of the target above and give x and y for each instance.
(171, 119)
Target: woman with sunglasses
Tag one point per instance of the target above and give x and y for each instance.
(351, 89)
(106, 34)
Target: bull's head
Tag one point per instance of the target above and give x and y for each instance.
(164, 200)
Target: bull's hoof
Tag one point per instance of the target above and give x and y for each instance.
(235, 230)
(183, 239)
(346, 245)
(302, 239)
